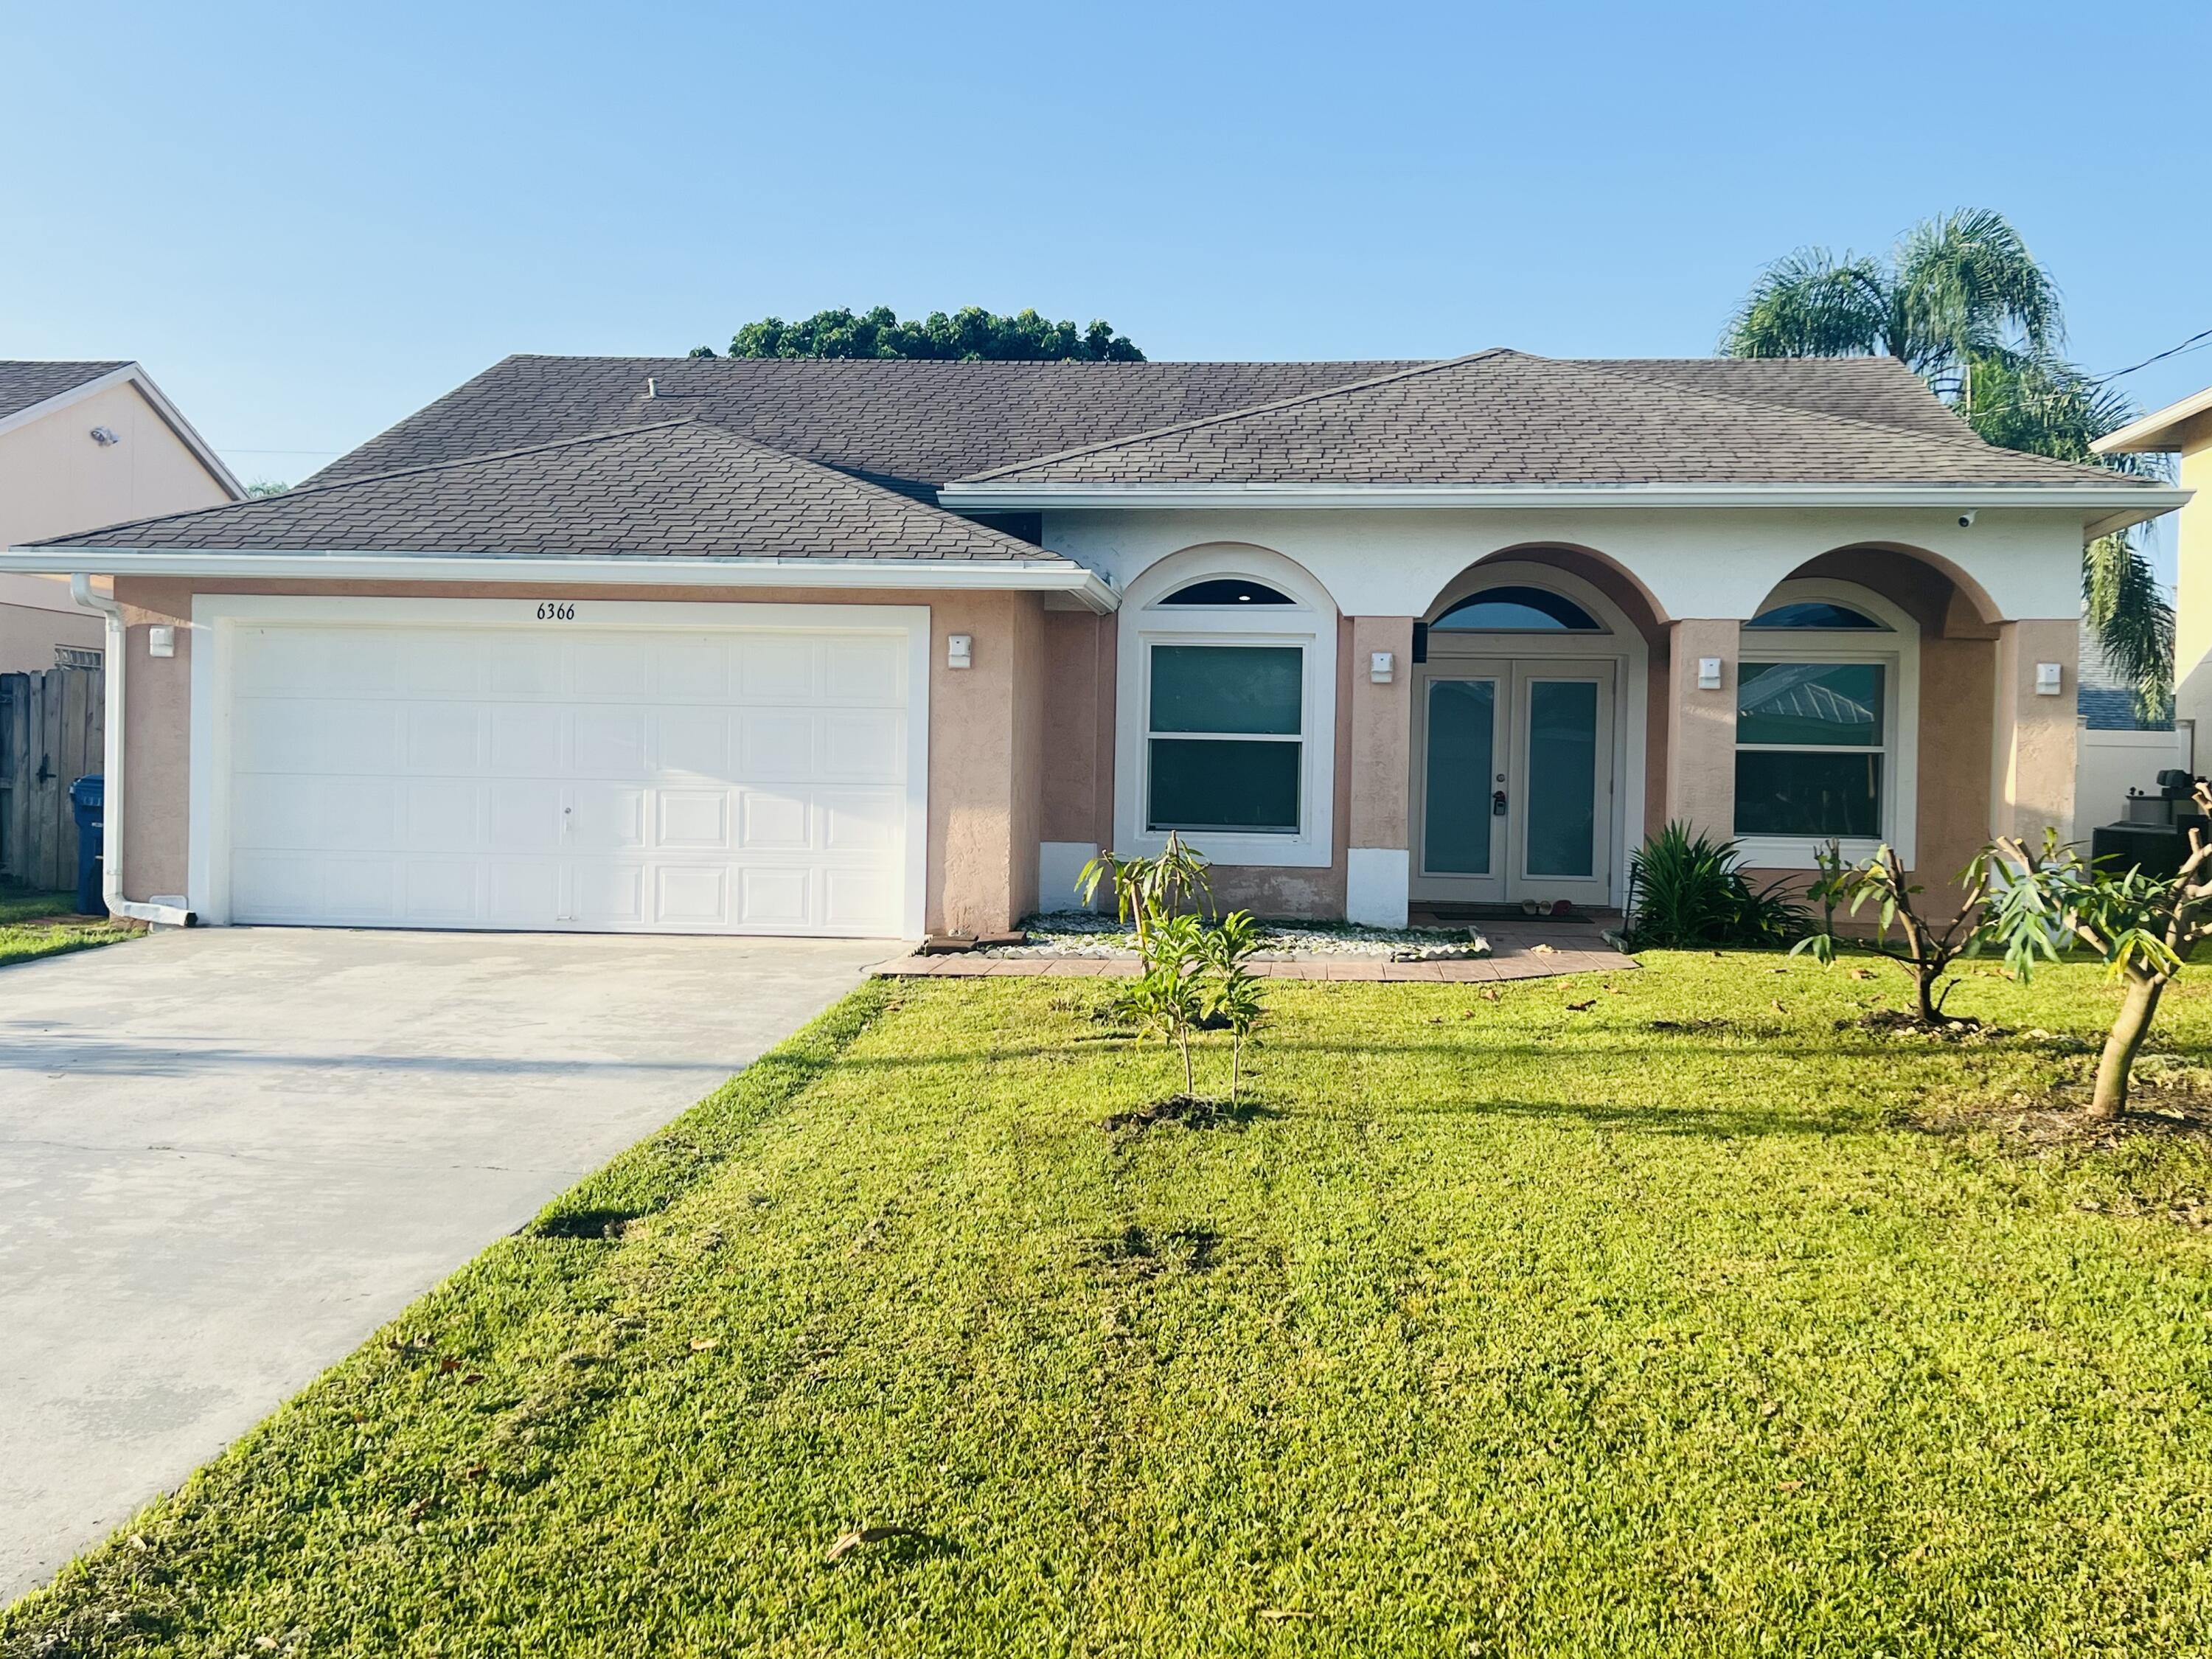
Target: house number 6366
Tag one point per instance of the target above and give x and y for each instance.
(552, 611)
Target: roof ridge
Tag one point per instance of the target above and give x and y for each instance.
(298, 491)
(1173, 428)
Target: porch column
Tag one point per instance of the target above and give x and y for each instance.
(1701, 727)
(2032, 762)
(1377, 867)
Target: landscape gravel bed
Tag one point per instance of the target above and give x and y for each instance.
(1088, 933)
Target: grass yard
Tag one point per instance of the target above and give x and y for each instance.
(33, 925)
(1499, 1326)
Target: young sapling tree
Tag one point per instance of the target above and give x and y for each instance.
(1232, 990)
(2143, 927)
(1902, 934)
(1149, 891)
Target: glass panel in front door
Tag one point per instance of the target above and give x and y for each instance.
(1461, 745)
(1559, 791)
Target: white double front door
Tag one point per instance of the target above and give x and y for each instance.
(1513, 794)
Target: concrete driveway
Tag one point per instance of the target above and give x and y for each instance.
(227, 1156)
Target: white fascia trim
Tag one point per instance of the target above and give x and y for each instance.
(2154, 432)
(1037, 576)
(134, 376)
(2144, 502)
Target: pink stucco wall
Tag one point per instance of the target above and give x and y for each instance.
(987, 728)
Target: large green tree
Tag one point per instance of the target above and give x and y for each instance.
(971, 334)
(1962, 303)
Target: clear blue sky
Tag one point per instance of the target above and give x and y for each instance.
(309, 220)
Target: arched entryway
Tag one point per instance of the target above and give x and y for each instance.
(1529, 701)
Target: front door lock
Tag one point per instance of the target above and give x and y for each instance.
(1498, 804)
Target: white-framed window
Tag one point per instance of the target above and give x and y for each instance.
(1226, 710)
(1826, 722)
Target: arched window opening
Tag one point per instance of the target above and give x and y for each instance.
(1820, 614)
(1228, 590)
(1516, 609)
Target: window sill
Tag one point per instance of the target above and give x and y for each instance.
(1798, 852)
(1249, 852)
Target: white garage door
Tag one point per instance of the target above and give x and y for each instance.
(740, 781)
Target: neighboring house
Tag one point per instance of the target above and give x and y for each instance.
(83, 445)
(2184, 430)
(869, 647)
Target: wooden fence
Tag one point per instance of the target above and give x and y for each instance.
(52, 733)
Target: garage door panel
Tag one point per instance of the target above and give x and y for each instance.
(524, 817)
(444, 815)
(693, 742)
(691, 896)
(778, 668)
(603, 819)
(862, 670)
(478, 777)
(862, 745)
(445, 737)
(775, 745)
(525, 740)
(610, 742)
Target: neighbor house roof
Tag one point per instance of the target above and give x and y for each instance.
(1503, 418)
(25, 385)
(2163, 430)
(677, 489)
(30, 391)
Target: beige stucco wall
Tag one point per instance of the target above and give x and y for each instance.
(2192, 630)
(1700, 762)
(55, 480)
(987, 729)
(1382, 736)
(2032, 760)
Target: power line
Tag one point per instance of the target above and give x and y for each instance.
(2189, 345)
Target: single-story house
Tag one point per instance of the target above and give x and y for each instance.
(878, 647)
(84, 444)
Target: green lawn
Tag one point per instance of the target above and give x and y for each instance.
(1503, 1327)
(33, 924)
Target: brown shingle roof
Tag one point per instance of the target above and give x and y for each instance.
(1504, 417)
(677, 489)
(23, 385)
(908, 424)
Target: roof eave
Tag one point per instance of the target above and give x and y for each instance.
(1030, 576)
(2127, 503)
(2159, 432)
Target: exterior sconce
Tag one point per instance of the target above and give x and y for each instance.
(1709, 673)
(1380, 667)
(2047, 679)
(959, 651)
(161, 640)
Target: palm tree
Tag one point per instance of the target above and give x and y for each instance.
(1962, 303)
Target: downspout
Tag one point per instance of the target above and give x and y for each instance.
(165, 915)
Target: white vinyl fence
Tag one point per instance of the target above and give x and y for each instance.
(2107, 764)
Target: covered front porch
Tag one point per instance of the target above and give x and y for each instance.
(1509, 748)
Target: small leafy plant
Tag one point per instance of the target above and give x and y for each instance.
(2143, 928)
(1168, 999)
(1232, 991)
(1150, 892)
(1687, 889)
(1924, 949)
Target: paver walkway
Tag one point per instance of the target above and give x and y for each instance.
(1532, 950)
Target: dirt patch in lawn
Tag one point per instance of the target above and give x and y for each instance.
(1189, 1112)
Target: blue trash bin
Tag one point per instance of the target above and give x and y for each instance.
(87, 802)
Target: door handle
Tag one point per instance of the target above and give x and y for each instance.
(1498, 804)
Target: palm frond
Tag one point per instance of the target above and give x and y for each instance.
(1967, 287)
(1813, 305)
(2131, 619)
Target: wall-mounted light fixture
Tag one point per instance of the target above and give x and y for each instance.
(1380, 664)
(2049, 678)
(959, 651)
(105, 436)
(1709, 673)
(161, 641)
